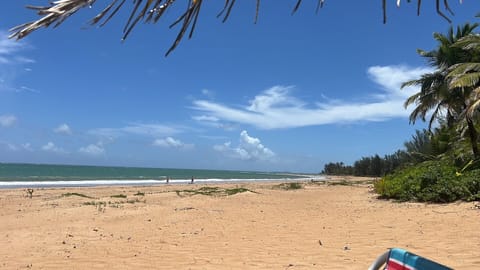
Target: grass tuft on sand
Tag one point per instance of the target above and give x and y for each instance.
(212, 191)
(70, 194)
(289, 186)
(121, 196)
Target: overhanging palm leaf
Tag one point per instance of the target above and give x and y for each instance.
(150, 11)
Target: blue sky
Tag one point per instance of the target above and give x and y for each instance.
(289, 93)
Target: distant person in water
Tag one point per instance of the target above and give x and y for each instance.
(168, 179)
(191, 182)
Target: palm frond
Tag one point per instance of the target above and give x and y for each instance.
(473, 107)
(470, 42)
(465, 80)
(411, 83)
(151, 11)
(463, 68)
(56, 13)
(411, 100)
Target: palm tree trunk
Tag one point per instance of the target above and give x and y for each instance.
(473, 138)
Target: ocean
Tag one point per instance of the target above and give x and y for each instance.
(14, 175)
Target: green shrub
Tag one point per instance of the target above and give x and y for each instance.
(471, 180)
(430, 181)
(212, 191)
(122, 196)
(70, 194)
(290, 186)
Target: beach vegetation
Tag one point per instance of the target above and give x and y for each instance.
(95, 203)
(233, 191)
(346, 182)
(337, 168)
(101, 205)
(289, 186)
(136, 200)
(139, 194)
(442, 163)
(430, 181)
(343, 182)
(438, 95)
(121, 196)
(212, 191)
(451, 94)
(424, 145)
(70, 194)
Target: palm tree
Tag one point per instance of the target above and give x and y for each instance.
(150, 11)
(437, 93)
(467, 75)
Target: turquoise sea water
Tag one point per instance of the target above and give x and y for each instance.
(22, 175)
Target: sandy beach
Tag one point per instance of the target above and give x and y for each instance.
(321, 226)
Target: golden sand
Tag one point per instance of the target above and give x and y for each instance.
(318, 227)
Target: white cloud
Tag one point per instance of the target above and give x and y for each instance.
(27, 89)
(150, 129)
(7, 120)
(170, 142)
(24, 60)
(275, 97)
(12, 64)
(9, 146)
(208, 93)
(93, 149)
(276, 107)
(392, 77)
(51, 147)
(14, 147)
(206, 118)
(153, 130)
(213, 121)
(27, 146)
(249, 148)
(8, 48)
(63, 129)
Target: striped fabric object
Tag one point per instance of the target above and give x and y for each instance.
(400, 259)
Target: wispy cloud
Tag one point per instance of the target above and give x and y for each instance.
(249, 148)
(63, 129)
(8, 48)
(170, 142)
(277, 108)
(7, 120)
(24, 88)
(51, 147)
(12, 64)
(213, 121)
(9, 146)
(208, 93)
(390, 78)
(27, 147)
(15, 147)
(93, 149)
(151, 130)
